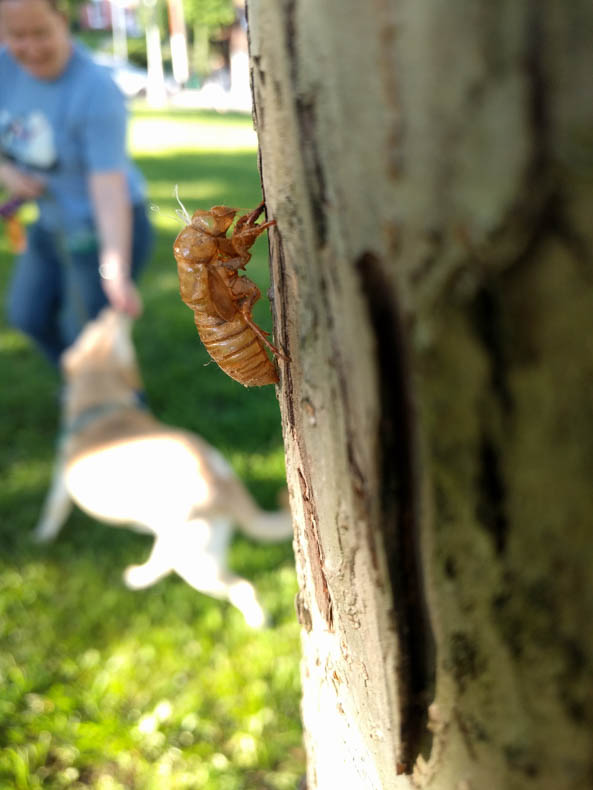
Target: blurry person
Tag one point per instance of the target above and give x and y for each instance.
(63, 124)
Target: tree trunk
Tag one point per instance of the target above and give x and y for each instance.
(429, 167)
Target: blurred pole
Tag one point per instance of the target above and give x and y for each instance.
(240, 91)
(119, 29)
(156, 95)
(178, 40)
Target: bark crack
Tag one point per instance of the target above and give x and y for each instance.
(306, 116)
(491, 510)
(315, 553)
(400, 514)
(305, 112)
(491, 491)
(279, 315)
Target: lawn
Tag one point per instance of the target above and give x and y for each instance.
(107, 688)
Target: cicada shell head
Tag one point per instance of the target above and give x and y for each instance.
(214, 222)
(193, 246)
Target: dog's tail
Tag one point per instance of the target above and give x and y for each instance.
(265, 525)
(256, 523)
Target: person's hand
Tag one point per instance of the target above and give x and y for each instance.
(122, 294)
(19, 184)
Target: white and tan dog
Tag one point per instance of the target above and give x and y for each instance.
(122, 466)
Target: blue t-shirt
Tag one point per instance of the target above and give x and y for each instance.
(62, 130)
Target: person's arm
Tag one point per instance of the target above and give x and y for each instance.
(113, 217)
(19, 184)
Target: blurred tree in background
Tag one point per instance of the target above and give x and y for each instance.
(205, 18)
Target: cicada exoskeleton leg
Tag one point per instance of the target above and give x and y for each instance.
(246, 293)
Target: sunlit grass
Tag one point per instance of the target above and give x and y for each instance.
(107, 688)
(11, 341)
(188, 190)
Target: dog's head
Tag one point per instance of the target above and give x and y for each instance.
(105, 343)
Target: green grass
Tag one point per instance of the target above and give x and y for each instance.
(107, 688)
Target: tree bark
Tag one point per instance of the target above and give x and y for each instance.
(429, 166)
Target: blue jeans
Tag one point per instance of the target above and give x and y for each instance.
(56, 287)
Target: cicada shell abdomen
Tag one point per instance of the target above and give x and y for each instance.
(237, 350)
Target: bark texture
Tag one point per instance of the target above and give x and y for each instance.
(430, 169)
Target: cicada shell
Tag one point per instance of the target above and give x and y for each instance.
(222, 301)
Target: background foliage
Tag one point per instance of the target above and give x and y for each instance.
(104, 687)
(207, 30)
